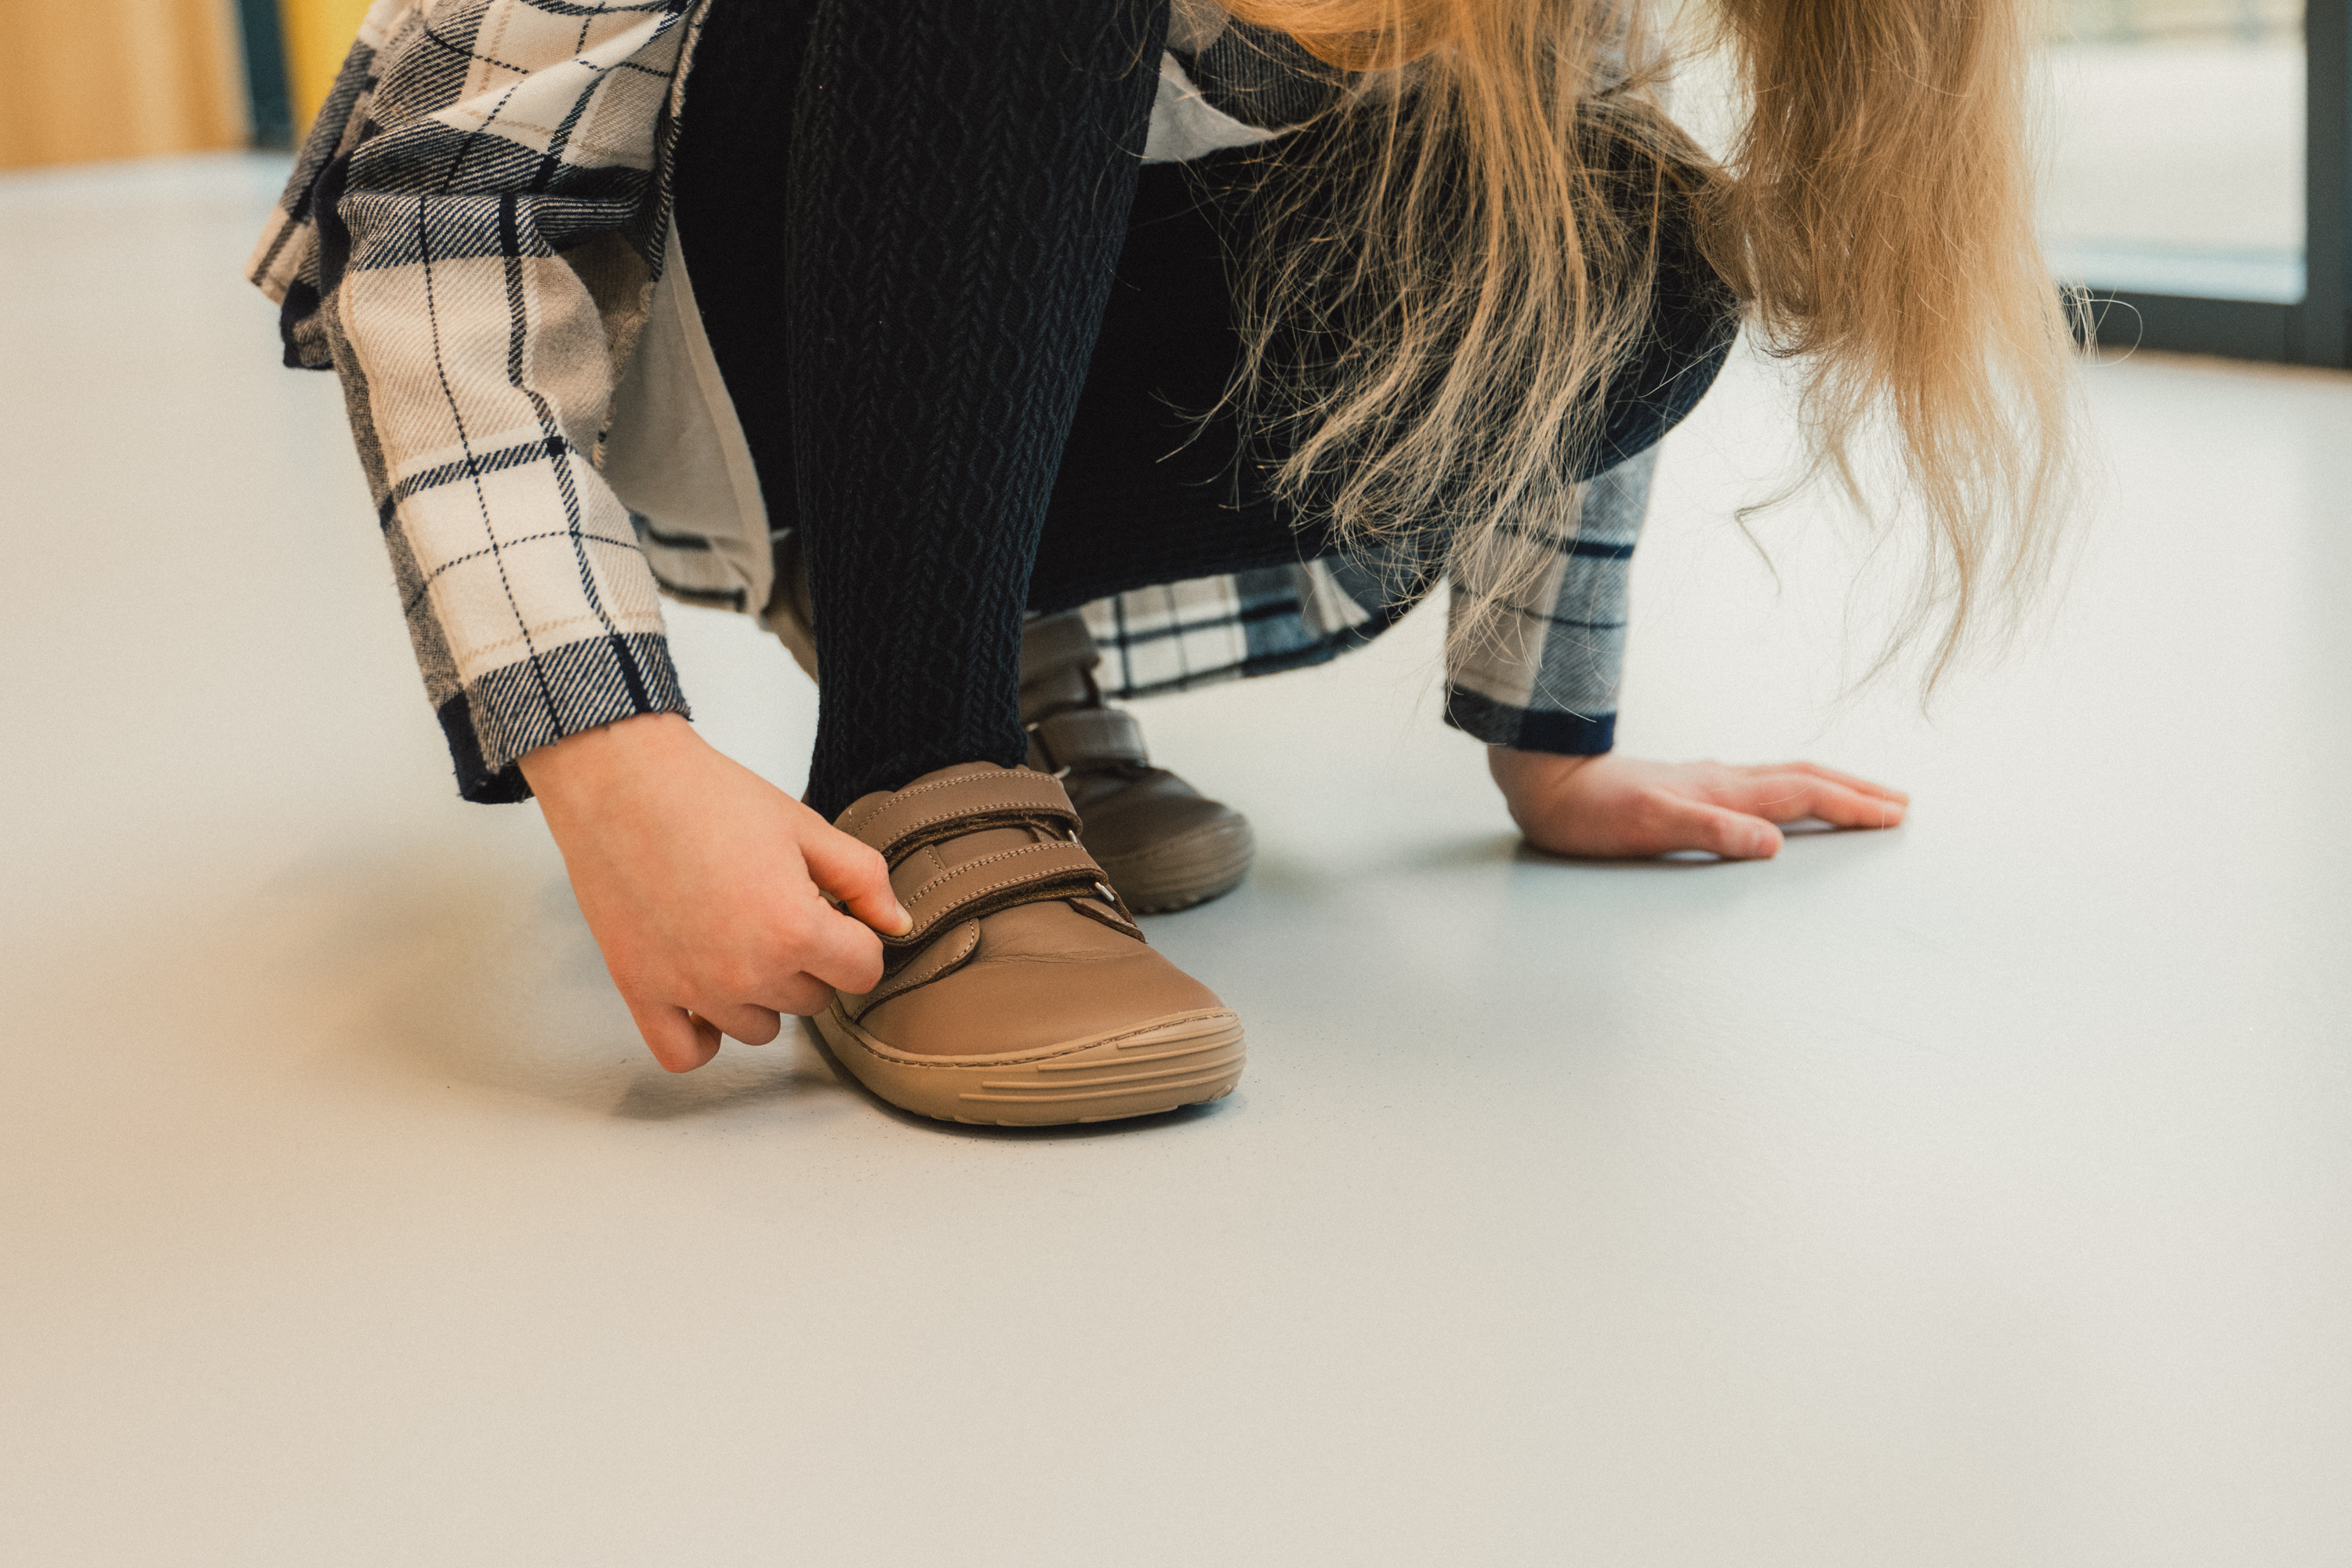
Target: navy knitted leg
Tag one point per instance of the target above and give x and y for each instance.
(905, 324)
(958, 193)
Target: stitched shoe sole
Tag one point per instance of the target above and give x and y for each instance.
(1206, 863)
(1157, 1064)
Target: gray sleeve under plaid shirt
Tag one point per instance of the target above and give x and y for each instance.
(476, 239)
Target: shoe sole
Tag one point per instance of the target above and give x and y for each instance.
(1158, 1065)
(1207, 863)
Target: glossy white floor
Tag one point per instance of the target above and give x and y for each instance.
(1971, 1194)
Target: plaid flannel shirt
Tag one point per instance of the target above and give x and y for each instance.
(477, 237)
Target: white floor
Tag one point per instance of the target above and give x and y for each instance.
(1972, 1193)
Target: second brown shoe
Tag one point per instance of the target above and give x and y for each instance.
(1024, 993)
(1163, 844)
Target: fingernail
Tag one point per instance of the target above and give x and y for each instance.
(906, 922)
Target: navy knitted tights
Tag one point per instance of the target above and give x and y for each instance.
(956, 181)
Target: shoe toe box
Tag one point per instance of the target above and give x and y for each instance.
(1043, 977)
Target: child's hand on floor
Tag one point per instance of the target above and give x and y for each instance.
(703, 885)
(1622, 808)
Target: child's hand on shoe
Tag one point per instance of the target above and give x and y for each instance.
(1615, 807)
(703, 885)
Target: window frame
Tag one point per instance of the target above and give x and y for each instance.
(2312, 331)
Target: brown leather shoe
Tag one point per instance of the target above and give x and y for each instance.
(1164, 845)
(1025, 994)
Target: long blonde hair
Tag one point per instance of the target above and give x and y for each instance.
(1431, 350)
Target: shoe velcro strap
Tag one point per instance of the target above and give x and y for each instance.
(949, 808)
(991, 884)
(1057, 642)
(1090, 737)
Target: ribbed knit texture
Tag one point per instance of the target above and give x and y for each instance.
(956, 189)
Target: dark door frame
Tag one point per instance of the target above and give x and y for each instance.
(268, 108)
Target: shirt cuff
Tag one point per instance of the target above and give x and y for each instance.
(563, 690)
(1529, 729)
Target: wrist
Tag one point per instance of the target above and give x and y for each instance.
(1536, 787)
(1515, 772)
(589, 765)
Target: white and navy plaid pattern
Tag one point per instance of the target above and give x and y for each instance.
(470, 240)
(1545, 679)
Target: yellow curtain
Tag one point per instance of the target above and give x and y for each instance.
(319, 34)
(85, 80)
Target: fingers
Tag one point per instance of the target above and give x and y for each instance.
(679, 1040)
(1687, 824)
(804, 995)
(1860, 785)
(1786, 796)
(747, 1000)
(841, 954)
(754, 1026)
(683, 1039)
(858, 875)
(1841, 807)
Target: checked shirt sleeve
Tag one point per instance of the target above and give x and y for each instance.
(470, 240)
(1547, 681)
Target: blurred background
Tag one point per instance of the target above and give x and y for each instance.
(104, 79)
(2179, 153)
